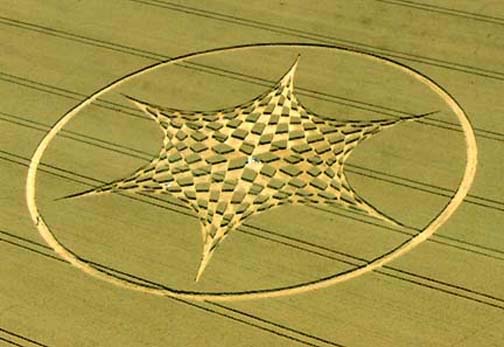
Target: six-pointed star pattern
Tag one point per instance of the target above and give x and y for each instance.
(233, 163)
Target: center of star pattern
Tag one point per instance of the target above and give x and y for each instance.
(230, 164)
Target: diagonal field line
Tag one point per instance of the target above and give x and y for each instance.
(247, 318)
(134, 112)
(125, 150)
(130, 111)
(347, 258)
(239, 76)
(11, 343)
(411, 278)
(355, 169)
(328, 39)
(21, 337)
(82, 135)
(445, 10)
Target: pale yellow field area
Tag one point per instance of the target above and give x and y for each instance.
(119, 269)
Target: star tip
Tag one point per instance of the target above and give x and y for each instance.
(203, 264)
(201, 269)
(394, 222)
(76, 195)
(141, 105)
(205, 259)
(295, 64)
(288, 78)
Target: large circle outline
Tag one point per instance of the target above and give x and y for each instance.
(429, 230)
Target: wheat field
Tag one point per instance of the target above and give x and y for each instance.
(119, 269)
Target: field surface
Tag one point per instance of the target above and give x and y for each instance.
(146, 235)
